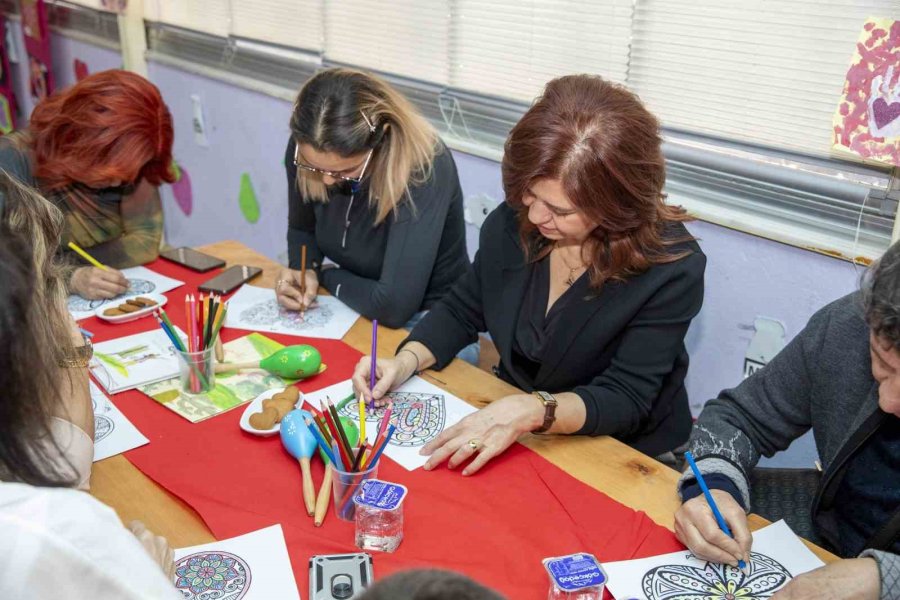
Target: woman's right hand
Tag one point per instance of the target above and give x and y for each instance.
(390, 373)
(696, 528)
(156, 546)
(96, 284)
(287, 289)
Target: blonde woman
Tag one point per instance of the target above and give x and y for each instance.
(61, 423)
(372, 189)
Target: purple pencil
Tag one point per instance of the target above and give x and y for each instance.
(374, 355)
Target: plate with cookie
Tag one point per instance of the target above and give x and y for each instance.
(130, 309)
(263, 415)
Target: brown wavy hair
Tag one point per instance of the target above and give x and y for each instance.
(599, 140)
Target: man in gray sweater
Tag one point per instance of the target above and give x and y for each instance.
(841, 377)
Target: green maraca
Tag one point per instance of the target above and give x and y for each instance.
(324, 496)
(292, 362)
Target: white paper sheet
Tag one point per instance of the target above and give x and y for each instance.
(421, 412)
(254, 566)
(143, 281)
(113, 432)
(777, 556)
(256, 309)
(134, 360)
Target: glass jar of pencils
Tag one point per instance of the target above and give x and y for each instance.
(345, 485)
(196, 371)
(379, 515)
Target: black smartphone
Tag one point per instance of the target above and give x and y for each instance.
(339, 576)
(192, 259)
(229, 279)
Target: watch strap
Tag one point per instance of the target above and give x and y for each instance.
(550, 405)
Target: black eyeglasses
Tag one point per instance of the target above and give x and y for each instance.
(335, 174)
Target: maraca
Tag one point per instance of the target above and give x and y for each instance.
(299, 441)
(325, 491)
(292, 362)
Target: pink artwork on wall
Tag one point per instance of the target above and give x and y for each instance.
(37, 46)
(867, 120)
(181, 189)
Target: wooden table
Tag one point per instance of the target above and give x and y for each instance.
(603, 463)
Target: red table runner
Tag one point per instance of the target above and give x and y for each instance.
(495, 526)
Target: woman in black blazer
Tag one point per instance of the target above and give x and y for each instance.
(586, 280)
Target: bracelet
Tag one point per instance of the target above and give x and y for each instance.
(78, 358)
(416, 371)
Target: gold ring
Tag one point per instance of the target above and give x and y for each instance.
(279, 282)
(474, 444)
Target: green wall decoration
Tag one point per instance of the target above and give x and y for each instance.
(247, 199)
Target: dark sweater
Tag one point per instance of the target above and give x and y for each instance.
(821, 380)
(388, 271)
(620, 349)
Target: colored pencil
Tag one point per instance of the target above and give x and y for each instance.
(377, 454)
(86, 333)
(374, 356)
(712, 503)
(385, 419)
(362, 422)
(335, 436)
(302, 272)
(87, 256)
(358, 460)
(179, 344)
(342, 435)
(319, 440)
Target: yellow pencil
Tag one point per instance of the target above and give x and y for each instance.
(87, 256)
(362, 422)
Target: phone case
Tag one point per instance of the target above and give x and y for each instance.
(339, 576)
(193, 259)
(229, 279)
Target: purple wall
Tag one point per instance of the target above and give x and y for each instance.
(746, 276)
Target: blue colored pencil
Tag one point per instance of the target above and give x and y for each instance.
(387, 438)
(712, 503)
(320, 440)
(86, 333)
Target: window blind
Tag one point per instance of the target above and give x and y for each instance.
(410, 38)
(208, 16)
(294, 23)
(511, 48)
(768, 72)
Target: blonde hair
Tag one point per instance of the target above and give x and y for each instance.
(351, 112)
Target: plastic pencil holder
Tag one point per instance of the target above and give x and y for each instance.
(345, 485)
(196, 371)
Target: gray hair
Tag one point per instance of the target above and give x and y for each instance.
(881, 296)
(428, 584)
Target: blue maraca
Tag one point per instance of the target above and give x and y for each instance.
(298, 440)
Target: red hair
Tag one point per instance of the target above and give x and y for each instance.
(604, 146)
(110, 126)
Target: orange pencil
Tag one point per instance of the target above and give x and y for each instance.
(302, 277)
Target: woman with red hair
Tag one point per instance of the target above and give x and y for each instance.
(98, 150)
(586, 280)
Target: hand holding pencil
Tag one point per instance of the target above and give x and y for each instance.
(97, 281)
(288, 289)
(697, 527)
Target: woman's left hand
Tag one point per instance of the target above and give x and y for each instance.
(485, 434)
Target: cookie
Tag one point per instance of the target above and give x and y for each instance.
(145, 302)
(264, 420)
(112, 312)
(128, 308)
(282, 406)
(291, 393)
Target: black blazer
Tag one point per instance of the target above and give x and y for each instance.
(621, 350)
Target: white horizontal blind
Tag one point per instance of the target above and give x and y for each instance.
(295, 23)
(511, 48)
(404, 37)
(208, 16)
(768, 72)
(95, 4)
